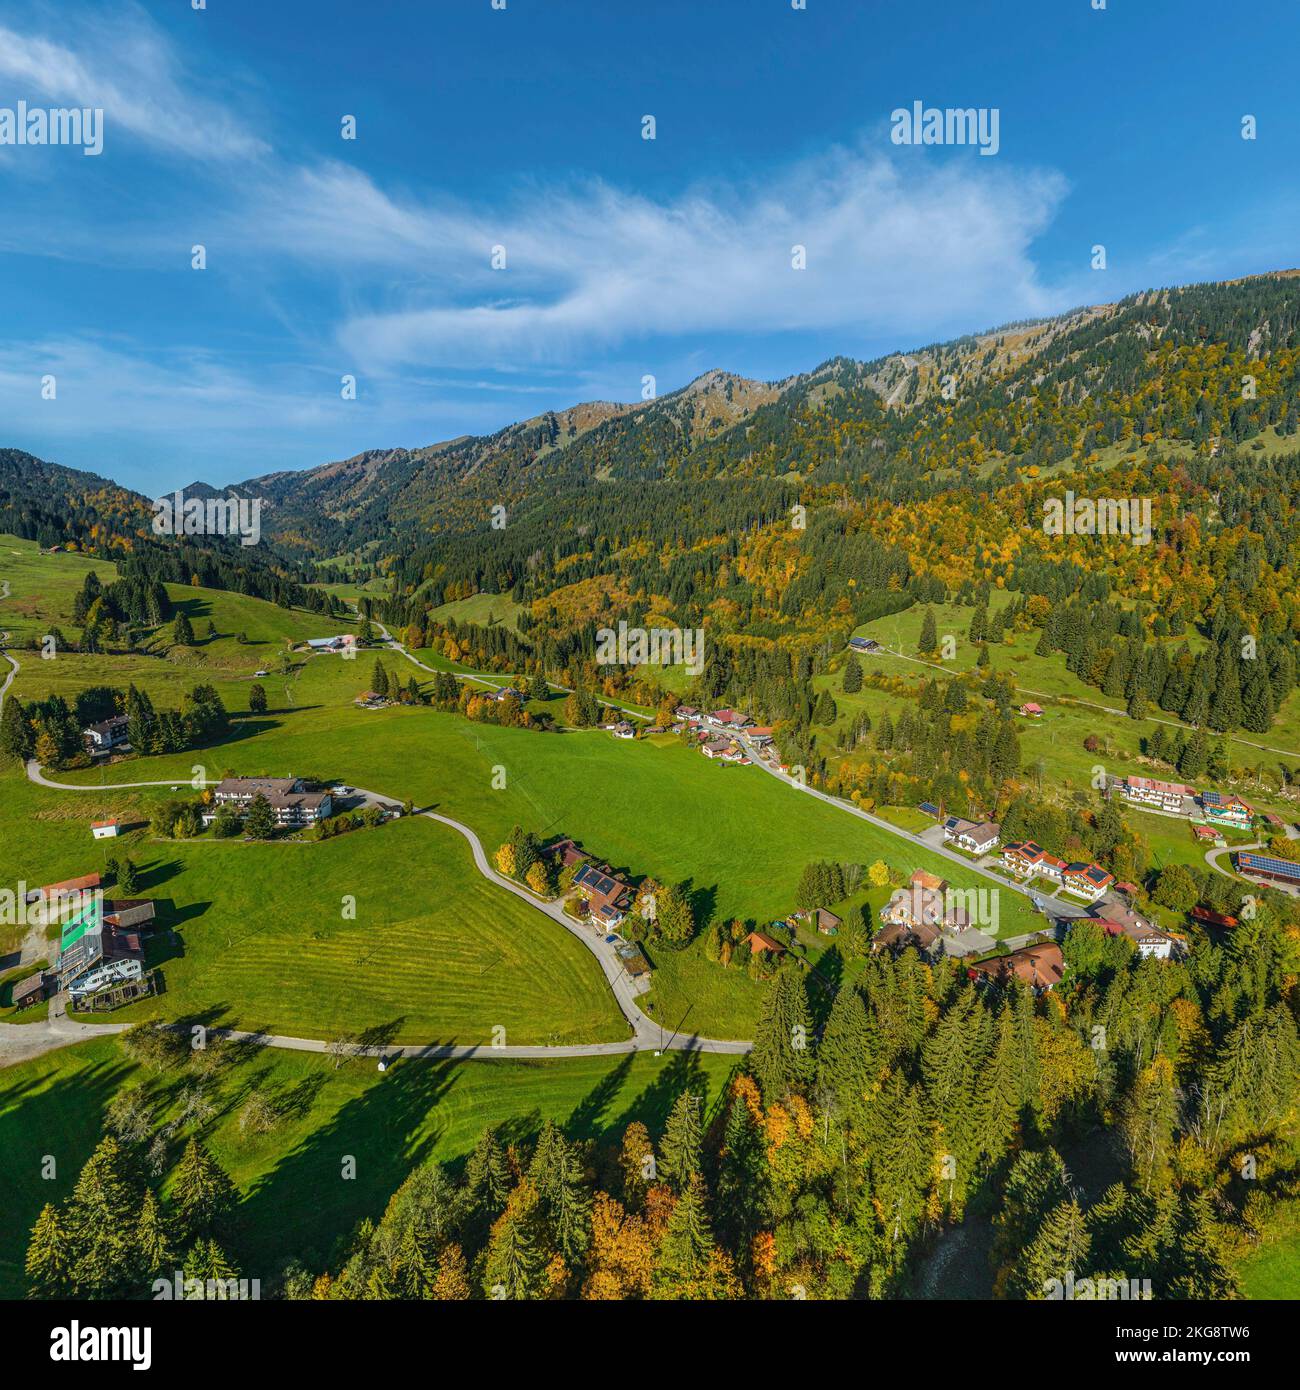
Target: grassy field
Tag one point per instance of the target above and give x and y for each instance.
(295, 1201)
(485, 610)
(1273, 1272)
(254, 935)
(737, 837)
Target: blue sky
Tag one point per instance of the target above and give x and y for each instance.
(625, 257)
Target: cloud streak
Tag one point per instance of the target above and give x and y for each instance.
(129, 70)
(593, 266)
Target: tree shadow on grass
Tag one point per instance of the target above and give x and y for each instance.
(344, 1171)
(63, 1120)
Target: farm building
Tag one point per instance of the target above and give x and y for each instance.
(1285, 872)
(1088, 880)
(105, 829)
(761, 944)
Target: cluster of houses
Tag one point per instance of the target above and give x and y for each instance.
(930, 918)
(100, 941)
(1028, 860)
(725, 734)
(291, 803)
(1175, 798)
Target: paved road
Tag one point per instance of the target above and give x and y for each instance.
(1061, 908)
(647, 1034)
(1212, 858)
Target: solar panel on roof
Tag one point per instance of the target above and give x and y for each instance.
(1287, 867)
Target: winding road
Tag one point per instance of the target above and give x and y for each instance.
(647, 1034)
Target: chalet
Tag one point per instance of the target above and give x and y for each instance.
(1285, 872)
(105, 829)
(973, 836)
(688, 714)
(1031, 710)
(761, 944)
(922, 903)
(608, 898)
(107, 735)
(1227, 810)
(1209, 835)
(370, 699)
(508, 692)
(93, 954)
(622, 730)
(32, 990)
(864, 644)
(760, 737)
(331, 644)
(1026, 859)
(730, 719)
(826, 922)
(1040, 967)
(1088, 880)
(1150, 941)
(1163, 796)
(717, 747)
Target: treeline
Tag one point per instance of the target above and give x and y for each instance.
(50, 730)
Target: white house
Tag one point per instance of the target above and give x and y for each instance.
(107, 735)
(104, 829)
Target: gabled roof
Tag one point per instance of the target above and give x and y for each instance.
(1268, 864)
(760, 941)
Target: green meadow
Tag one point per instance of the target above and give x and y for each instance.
(295, 1200)
(390, 928)
(736, 836)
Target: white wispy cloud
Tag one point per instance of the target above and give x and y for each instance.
(591, 266)
(124, 65)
